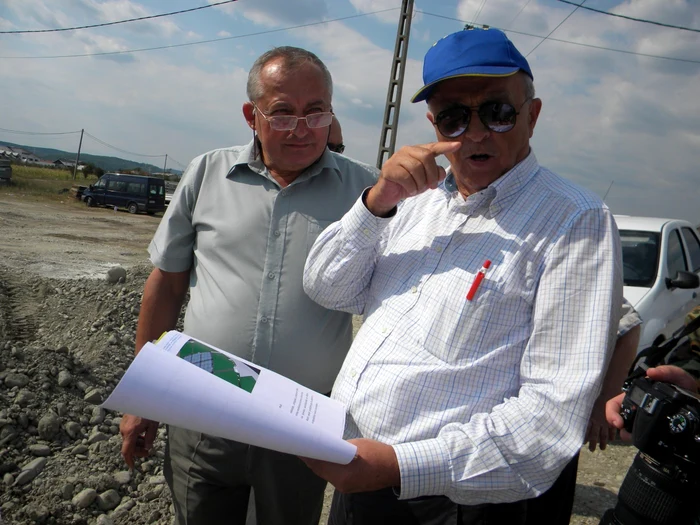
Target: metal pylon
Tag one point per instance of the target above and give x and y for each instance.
(393, 97)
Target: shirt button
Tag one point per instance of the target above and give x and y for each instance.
(263, 320)
(366, 231)
(277, 233)
(353, 373)
(271, 275)
(438, 249)
(384, 330)
(414, 289)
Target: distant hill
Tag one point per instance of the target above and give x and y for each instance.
(101, 161)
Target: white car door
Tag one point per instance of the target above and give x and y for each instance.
(680, 301)
(691, 241)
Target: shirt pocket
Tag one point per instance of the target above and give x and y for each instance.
(315, 227)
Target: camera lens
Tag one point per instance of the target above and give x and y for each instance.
(652, 494)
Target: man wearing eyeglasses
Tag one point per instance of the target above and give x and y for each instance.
(491, 295)
(236, 235)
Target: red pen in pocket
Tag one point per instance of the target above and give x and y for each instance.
(477, 280)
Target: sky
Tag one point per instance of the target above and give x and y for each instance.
(624, 124)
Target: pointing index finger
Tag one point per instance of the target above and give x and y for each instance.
(440, 148)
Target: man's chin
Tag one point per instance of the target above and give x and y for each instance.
(301, 157)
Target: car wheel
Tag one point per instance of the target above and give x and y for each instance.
(133, 208)
(90, 202)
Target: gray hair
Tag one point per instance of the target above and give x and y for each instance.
(529, 86)
(292, 58)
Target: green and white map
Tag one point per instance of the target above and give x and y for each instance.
(218, 364)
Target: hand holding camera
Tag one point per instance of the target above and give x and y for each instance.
(666, 374)
(660, 414)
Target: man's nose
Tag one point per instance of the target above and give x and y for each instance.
(301, 130)
(476, 130)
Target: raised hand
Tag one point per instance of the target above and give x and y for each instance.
(409, 172)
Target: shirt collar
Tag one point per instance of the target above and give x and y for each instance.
(250, 158)
(500, 192)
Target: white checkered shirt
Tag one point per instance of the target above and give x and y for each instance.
(483, 400)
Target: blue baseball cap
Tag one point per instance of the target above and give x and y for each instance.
(470, 52)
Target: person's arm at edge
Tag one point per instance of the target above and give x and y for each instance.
(163, 295)
(599, 432)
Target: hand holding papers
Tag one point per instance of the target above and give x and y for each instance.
(184, 382)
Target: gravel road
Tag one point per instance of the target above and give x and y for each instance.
(55, 302)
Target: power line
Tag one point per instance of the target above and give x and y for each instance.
(478, 11)
(581, 44)
(518, 13)
(57, 29)
(234, 37)
(631, 17)
(93, 137)
(38, 133)
(553, 30)
(177, 162)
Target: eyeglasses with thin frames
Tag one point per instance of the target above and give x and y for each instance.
(499, 117)
(290, 122)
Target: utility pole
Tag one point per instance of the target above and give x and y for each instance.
(393, 97)
(165, 164)
(77, 158)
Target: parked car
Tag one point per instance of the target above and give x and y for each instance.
(134, 192)
(5, 171)
(661, 271)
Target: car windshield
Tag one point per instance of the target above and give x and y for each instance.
(640, 257)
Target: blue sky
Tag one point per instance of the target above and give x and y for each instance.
(607, 116)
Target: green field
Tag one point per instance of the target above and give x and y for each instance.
(44, 183)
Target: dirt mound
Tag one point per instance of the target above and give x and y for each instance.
(64, 344)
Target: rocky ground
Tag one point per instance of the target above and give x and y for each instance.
(64, 343)
(64, 346)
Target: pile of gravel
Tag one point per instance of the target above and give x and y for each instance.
(64, 345)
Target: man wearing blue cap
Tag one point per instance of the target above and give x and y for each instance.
(490, 295)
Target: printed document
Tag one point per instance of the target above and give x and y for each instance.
(187, 383)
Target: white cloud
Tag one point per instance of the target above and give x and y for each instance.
(154, 108)
(607, 116)
(6, 25)
(389, 17)
(38, 14)
(274, 13)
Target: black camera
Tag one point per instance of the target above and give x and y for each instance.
(663, 484)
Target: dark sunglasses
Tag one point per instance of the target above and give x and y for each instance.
(337, 148)
(497, 116)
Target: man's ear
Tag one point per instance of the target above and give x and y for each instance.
(430, 117)
(533, 114)
(249, 114)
